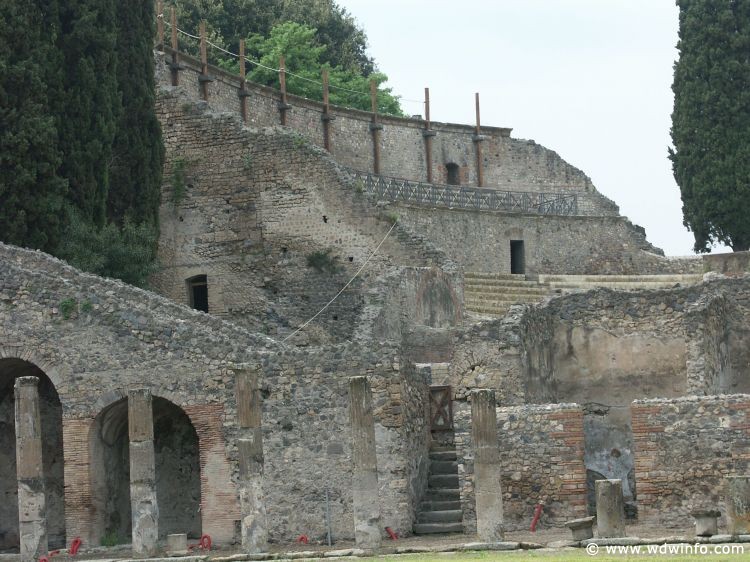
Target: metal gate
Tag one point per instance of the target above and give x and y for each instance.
(441, 408)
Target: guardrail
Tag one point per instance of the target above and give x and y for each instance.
(457, 197)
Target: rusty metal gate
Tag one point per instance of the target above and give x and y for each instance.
(441, 408)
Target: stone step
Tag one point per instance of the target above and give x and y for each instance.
(437, 481)
(443, 467)
(499, 283)
(442, 495)
(439, 505)
(623, 286)
(446, 455)
(505, 276)
(502, 289)
(501, 299)
(433, 528)
(501, 310)
(447, 516)
(662, 278)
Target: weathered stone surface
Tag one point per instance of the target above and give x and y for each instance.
(365, 464)
(32, 504)
(737, 494)
(487, 469)
(610, 512)
(177, 544)
(144, 507)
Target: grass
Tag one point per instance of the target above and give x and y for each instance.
(577, 555)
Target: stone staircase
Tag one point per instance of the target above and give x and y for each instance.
(440, 509)
(494, 293)
(625, 282)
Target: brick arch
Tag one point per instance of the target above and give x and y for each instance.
(45, 364)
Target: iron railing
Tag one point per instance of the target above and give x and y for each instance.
(457, 197)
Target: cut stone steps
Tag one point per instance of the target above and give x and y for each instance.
(443, 481)
(440, 505)
(683, 278)
(622, 285)
(433, 528)
(447, 516)
(502, 297)
(502, 290)
(442, 495)
(444, 455)
(499, 283)
(497, 276)
(443, 467)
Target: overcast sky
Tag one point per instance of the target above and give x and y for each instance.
(589, 79)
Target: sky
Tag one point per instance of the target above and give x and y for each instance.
(589, 79)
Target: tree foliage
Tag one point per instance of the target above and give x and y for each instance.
(711, 121)
(32, 194)
(78, 130)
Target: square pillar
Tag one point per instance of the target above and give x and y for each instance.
(143, 504)
(32, 505)
(487, 491)
(365, 477)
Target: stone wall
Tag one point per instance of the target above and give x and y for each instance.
(480, 241)
(510, 164)
(541, 454)
(684, 448)
(274, 224)
(96, 338)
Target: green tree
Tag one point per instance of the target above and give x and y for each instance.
(32, 194)
(137, 151)
(711, 121)
(304, 60)
(88, 110)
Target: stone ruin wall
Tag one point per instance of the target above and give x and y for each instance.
(257, 205)
(119, 337)
(541, 455)
(509, 163)
(684, 447)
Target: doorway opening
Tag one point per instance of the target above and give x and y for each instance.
(198, 292)
(452, 172)
(517, 257)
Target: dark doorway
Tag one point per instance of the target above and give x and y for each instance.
(452, 174)
(517, 257)
(198, 292)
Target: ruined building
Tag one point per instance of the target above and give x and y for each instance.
(455, 288)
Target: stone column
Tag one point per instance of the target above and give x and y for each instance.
(254, 526)
(487, 492)
(364, 459)
(32, 506)
(143, 505)
(610, 509)
(737, 493)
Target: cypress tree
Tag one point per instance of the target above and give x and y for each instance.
(138, 152)
(88, 111)
(711, 121)
(32, 194)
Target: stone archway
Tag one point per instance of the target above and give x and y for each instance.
(178, 485)
(52, 454)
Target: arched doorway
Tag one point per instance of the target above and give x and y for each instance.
(52, 455)
(178, 486)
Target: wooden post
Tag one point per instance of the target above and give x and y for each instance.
(175, 66)
(428, 133)
(283, 105)
(375, 127)
(204, 62)
(243, 85)
(478, 145)
(326, 118)
(160, 23)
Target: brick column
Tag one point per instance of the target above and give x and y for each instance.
(254, 525)
(143, 505)
(488, 495)
(32, 506)
(364, 459)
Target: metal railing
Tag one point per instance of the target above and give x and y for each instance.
(457, 197)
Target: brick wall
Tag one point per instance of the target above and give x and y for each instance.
(684, 447)
(541, 453)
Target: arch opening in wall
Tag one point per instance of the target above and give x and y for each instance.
(517, 257)
(453, 174)
(50, 410)
(178, 485)
(197, 287)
